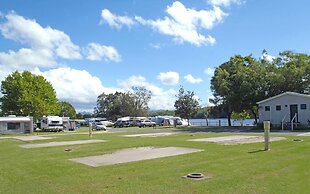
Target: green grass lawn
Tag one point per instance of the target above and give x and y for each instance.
(234, 168)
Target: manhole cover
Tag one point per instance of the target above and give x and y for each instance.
(195, 176)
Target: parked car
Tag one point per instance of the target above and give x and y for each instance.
(99, 126)
(145, 123)
(120, 123)
(107, 123)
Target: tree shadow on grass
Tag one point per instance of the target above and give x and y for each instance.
(256, 151)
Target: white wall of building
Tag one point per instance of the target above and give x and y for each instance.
(284, 100)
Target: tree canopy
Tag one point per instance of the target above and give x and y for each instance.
(120, 104)
(28, 94)
(141, 97)
(241, 82)
(186, 105)
(66, 110)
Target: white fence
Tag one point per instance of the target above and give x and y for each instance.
(221, 122)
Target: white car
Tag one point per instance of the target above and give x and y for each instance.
(99, 126)
(145, 123)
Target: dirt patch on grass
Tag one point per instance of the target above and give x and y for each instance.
(27, 138)
(6, 137)
(31, 138)
(133, 154)
(149, 135)
(61, 143)
(232, 140)
(304, 134)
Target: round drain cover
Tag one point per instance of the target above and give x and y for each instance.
(195, 175)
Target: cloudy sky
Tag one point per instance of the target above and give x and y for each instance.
(85, 48)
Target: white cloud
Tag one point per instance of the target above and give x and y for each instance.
(184, 23)
(161, 99)
(268, 57)
(115, 21)
(27, 31)
(78, 87)
(26, 59)
(169, 78)
(225, 3)
(209, 71)
(46, 45)
(72, 84)
(97, 52)
(155, 46)
(189, 78)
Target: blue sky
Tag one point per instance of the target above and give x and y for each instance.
(85, 48)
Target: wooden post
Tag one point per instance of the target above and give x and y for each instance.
(90, 129)
(267, 135)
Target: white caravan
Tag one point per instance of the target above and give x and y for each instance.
(169, 120)
(52, 123)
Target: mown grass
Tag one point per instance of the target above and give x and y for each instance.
(234, 169)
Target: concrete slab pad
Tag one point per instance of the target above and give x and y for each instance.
(232, 140)
(253, 140)
(304, 134)
(61, 143)
(79, 133)
(133, 154)
(222, 139)
(31, 138)
(6, 137)
(149, 135)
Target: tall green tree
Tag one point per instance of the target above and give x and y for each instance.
(293, 70)
(120, 104)
(141, 97)
(66, 109)
(113, 106)
(228, 84)
(28, 94)
(108, 105)
(186, 105)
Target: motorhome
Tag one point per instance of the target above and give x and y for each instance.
(52, 123)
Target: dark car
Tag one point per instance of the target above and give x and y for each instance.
(120, 123)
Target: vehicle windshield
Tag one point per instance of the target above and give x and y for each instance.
(55, 124)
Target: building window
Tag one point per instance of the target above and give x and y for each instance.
(13, 126)
(267, 108)
(303, 106)
(278, 107)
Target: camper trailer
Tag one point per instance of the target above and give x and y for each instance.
(69, 124)
(52, 123)
(169, 120)
(13, 125)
